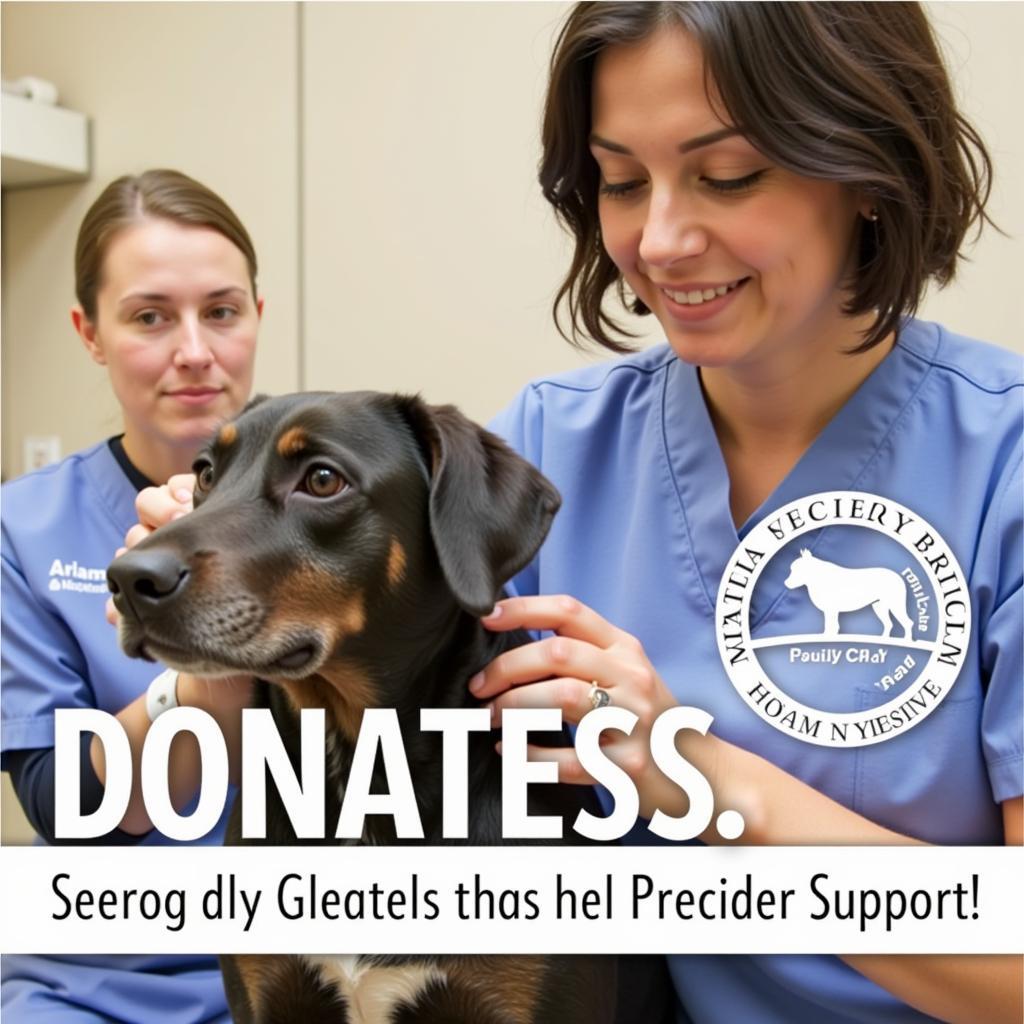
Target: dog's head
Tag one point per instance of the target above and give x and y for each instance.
(801, 571)
(330, 525)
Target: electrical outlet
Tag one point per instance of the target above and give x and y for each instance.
(41, 451)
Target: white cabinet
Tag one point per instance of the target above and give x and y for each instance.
(41, 144)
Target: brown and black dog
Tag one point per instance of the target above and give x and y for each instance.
(342, 550)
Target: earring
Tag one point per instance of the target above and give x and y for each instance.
(873, 213)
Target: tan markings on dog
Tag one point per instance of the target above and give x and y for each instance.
(306, 693)
(509, 986)
(228, 435)
(352, 615)
(206, 567)
(352, 692)
(396, 563)
(256, 971)
(344, 691)
(310, 595)
(373, 991)
(291, 442)
(307, 597)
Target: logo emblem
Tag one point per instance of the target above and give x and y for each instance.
(843, 619)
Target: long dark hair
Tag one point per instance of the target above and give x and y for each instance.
(851, 92)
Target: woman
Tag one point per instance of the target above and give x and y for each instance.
(165, 277)
(776, 183)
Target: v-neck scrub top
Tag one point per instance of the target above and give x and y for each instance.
(61, 527)
(645, 533)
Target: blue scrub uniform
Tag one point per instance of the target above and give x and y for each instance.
(61, 526)
(645, 533)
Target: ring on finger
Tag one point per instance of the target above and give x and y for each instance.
(599, 697)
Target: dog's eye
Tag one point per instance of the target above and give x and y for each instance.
(204, 476)
(324, 482)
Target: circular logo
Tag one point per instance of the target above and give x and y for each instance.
(874, 615)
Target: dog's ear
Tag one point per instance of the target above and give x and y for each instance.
(490, 510)
(251, 404)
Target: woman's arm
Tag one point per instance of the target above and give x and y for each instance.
(778, 808)
(223, 698)
(958, 988)
(34, 777)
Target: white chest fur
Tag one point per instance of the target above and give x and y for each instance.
(373, 990)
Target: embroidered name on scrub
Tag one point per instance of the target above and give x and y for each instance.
(74, 577)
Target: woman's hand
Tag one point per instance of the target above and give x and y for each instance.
(158, 506)
(559, 672)
(155, 507)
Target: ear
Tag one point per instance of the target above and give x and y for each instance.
(251, 404)
(490, 510)
(86, 330)
(867, 206)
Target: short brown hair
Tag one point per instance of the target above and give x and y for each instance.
(165, 194)
(852, 92)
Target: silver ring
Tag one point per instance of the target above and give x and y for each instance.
(599, 697)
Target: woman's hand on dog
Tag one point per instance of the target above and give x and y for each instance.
(155, 507)
(558, 671)
(158, 506)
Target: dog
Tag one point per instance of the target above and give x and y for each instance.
(834, 589)
(342, 550)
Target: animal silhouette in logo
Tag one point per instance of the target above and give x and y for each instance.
(834, 589)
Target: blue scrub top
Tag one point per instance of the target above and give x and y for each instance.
(645, 533)
(60, 528)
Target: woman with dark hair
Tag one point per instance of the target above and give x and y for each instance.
(165, 277)
(777, 183)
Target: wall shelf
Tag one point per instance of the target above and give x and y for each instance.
(41, 144)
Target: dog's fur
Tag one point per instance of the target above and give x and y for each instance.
(368, 597)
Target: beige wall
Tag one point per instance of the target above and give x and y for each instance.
(209, 88)
(383, 157)
(982, 43)
(431, 259)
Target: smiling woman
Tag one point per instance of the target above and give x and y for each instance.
(776, 184)
(167, 302)
(729, 250)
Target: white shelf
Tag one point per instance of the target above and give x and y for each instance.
(42, 145)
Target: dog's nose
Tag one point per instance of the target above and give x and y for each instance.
(146, 577)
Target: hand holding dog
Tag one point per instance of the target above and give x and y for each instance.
(558, 671)
(158, 506)
(223, 698)
(155, 506)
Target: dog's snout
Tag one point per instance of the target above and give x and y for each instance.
(147, 576)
